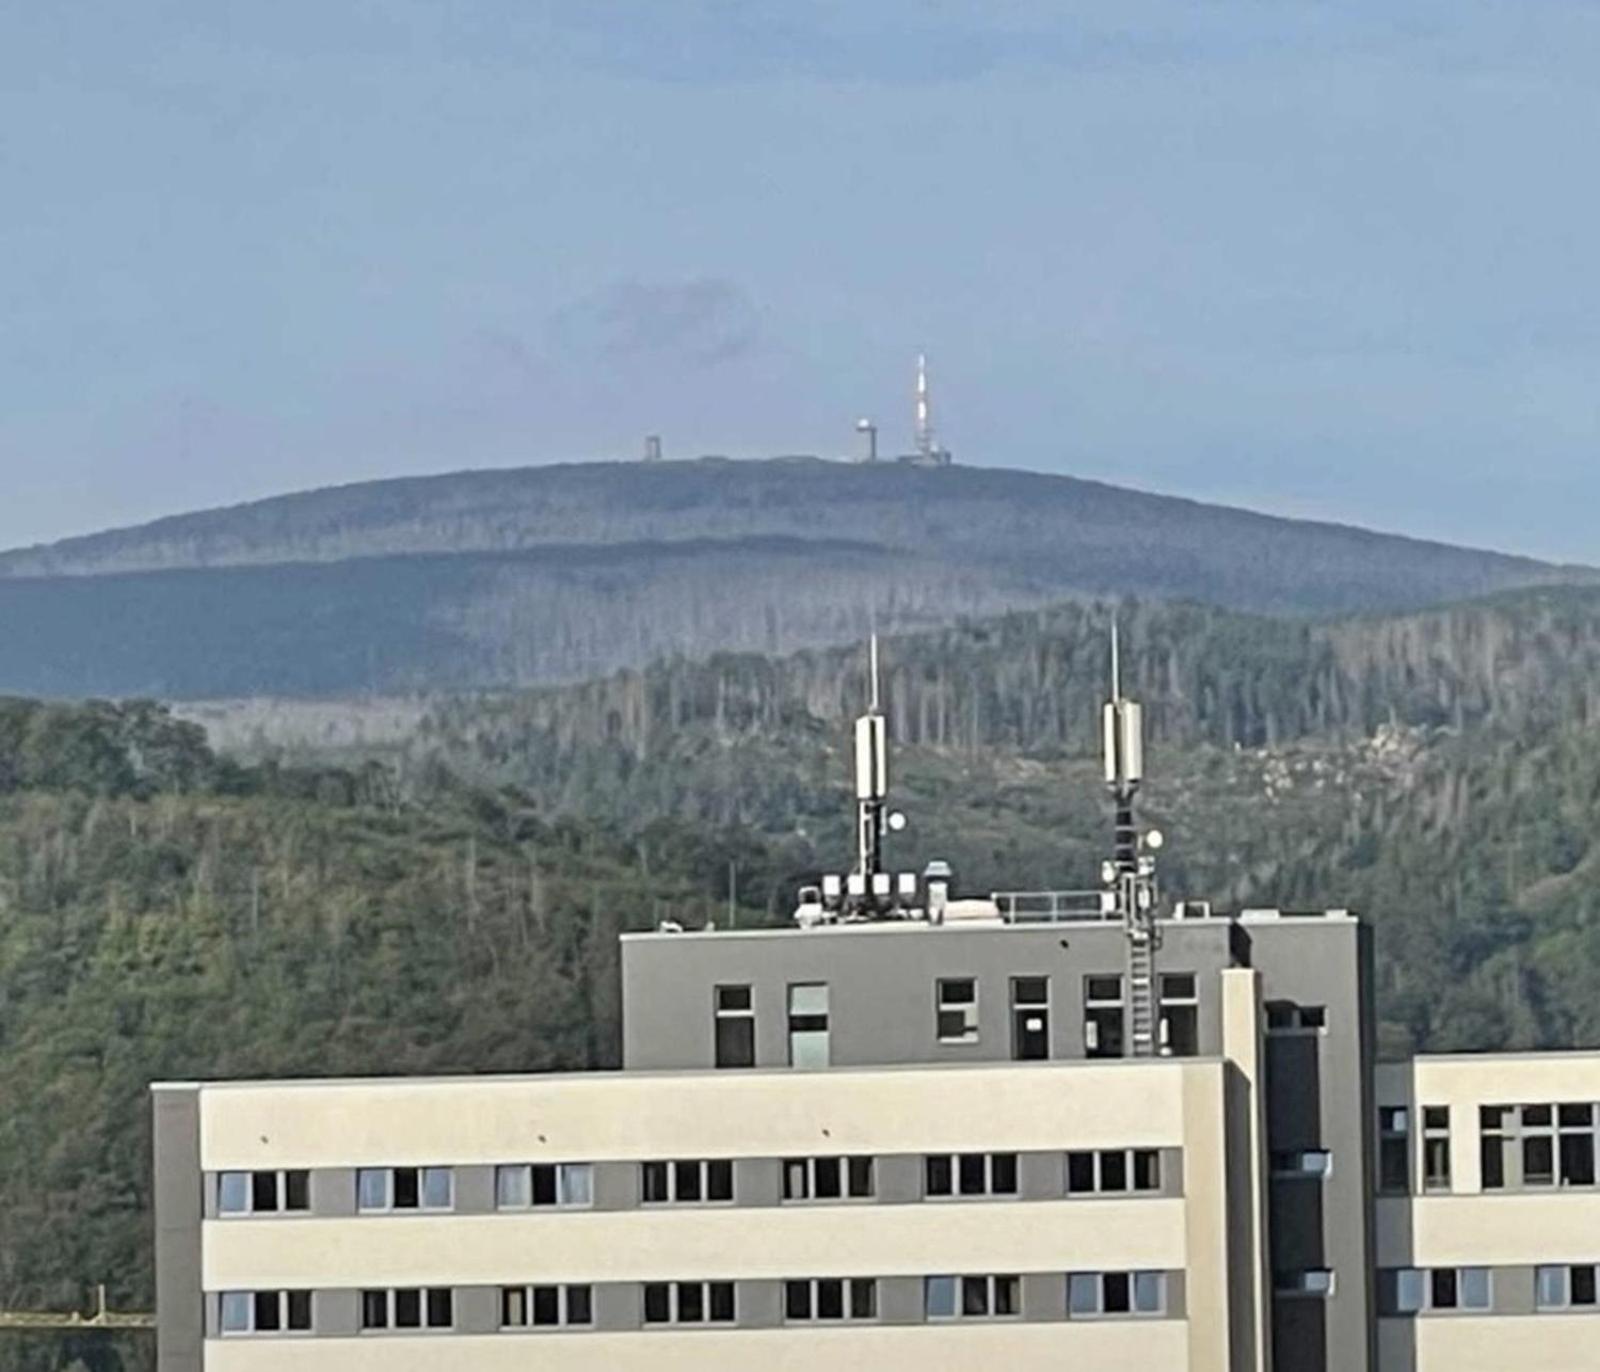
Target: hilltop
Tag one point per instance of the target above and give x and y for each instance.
(512, 578)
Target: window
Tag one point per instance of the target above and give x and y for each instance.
(1285, 1017)
(970, 1174)
(1411, 1291)
(807, 1179)
(405, 1188)
(1435, 1147)
(265, 1312)
(1180, 1014)
(1565, 1287)
(1394, 1148)
(546, 1307)
(1030, 1018)
(972, 1298)
(1311, 1281)
(689, 1302)
(808, 1025)
(263, 1193)
(1314, 1163)
(1537, 1145)
(1102, 1016)
(1113, 1170)
(735, 1026)
(1092, 1294)
(691, 1182)
(956, 1010)
(830, 1298)
(408, 1308)
(519, 1186)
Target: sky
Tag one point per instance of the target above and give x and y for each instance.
(1338, 260)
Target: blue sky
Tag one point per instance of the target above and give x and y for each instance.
(1337, 259)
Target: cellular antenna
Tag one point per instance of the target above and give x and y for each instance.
(924, 422)
(872, 776)
(1131, 874)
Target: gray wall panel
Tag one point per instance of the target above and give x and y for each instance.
(336, 1313)
(180, 1314)
(900, 1300)
(333, 1192)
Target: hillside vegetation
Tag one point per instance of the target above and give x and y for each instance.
(554, 574)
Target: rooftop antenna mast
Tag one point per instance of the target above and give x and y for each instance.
(872, 777)
(1131, 874)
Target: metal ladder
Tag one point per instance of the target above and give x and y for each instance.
(1142, 992)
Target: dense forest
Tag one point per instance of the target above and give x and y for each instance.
(450, 899)
(505, 579)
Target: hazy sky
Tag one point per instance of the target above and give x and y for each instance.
(1338, 259)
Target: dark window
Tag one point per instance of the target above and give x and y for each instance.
(1583, 1285)
(828, 1181)
(797, 1300)
(267, 1312)
(864, 1298)
(408, 1309)
(299, 1312)
(1114, 1171)
(1180, 1014)
(1577, 1159)
(297, 1190)
(972, 1174)
(719, 1180)
(1007, 1295)
(830, 1299)
(937, 1174)
(1394, 1148)
(956, 1010)
(657, 1303)
(735, 1027)
(860, 1175)
(1080, 1172)
(441, 1307)
(722, 1310)
(1003, 1174)
(1117, 1292)
(654, 1178)
(544, 1184)
(974, 1295)
(686, 1181)
(1146, 1169)
(1538, 1161)
(1442, 1288)
(1102, 1016)
(263, 1192)
(1493, 1161)
(374, 1309)
(407, 1195)
(691, 1302)
(546, 1305)
(580, 1305)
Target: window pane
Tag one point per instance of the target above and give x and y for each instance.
(438, 1188)
(1443, 1281)
(795, 1180)
(972, 1171)
(263, 1192)
(1007, 1295)
(1435, 1116)
(657, 1303)
(938, 1174)
(653, 1177)
(543, 1177)
(297, 1190)
(575, 1184)
(236, 1308)
(1410, 1288)
(1149, 1292)
(809, 999)
(1537, 1115)
(691, 1302)
(513, 1307)
(1119, 1299)
(797, 1300)
(1394, 1164)
(1080, 1172)
(736, 1041)
(963, 991)
(546, 1305)
(828, 1179)
(1030, 991)
(372, 1188)
(1178, 986)
(299, 1303)
(719, 1180)
(374, 1309)
(1083, 1293)
(939, 1297)
(864, 1299)
(580, 1305)
(408, 1309)
(1583, 1285)
(1550, 1288)
(441, 1307)
(1003, 1174)
(1146, 1170)
(686, 1181)
(1475, 1288)
(734, 998)
(1436, 1163)
(830, 1299)
(808, 1048)
(1114, 1171)
(1103, 989)
(722, 1308)
(266, 1312)
(861, 1180)
(233, 1193)
(407, 1188)
(1538, 1161)
(974, 1295)
(512, 1188)
(1492, 1159)
(1579, 1115)
(1577, 1159)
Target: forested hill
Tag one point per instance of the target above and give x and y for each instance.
(550, 574)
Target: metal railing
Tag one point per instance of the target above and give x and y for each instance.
(1054, 907)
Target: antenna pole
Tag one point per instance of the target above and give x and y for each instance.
(872, 779)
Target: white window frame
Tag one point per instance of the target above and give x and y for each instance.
(389, 1207)
(1134, 1311)
(280, 1183)
(807, 1168)
(702, 1168)
(563, 1292)
(391, 1294)
(958, 1288)
(848, 1287)
(956, 1193)
(674, 1311)
(967, 1009)
(566, 1180)
(1129, 1171)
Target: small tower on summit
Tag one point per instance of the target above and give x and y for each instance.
(927, 451)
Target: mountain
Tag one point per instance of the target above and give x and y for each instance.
(550, 574)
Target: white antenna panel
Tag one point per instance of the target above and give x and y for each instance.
(1132, 755)
(872, 758)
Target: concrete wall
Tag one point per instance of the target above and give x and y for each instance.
(179, 1310)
